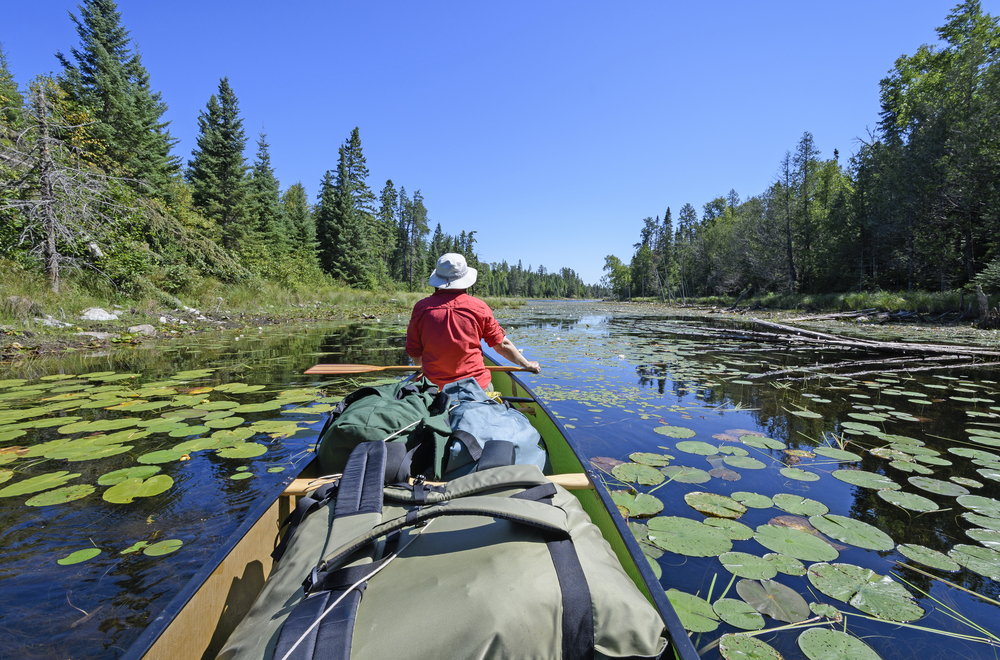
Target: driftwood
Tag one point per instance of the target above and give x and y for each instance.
(838, 315)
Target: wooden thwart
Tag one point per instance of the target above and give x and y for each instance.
(346, 369)
(572, 481)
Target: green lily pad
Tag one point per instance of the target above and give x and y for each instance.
(823, 644)
(281, 469)
(854, 532)
(715, 505)
(808, 414)
(989, 473)
(824, 609)
(969, 452)
(910, 466)
(224, 423)
(738, 614)
(216, 405)
(745, 565)
(688, 537)
(163, 548)
(742, 647)
(695, 613)
(685, 474)
(745, 462)
(39, 483)
(871, 593)
(910, 501)
(246, 450)
(761, 442)
(785, 564)
(697, 447)
(241, 475)
(135, 547)
(798, 505)
(984, 506)
(774, 599)
(161, 456)
(988, 537)
(736, 531)
(633, 473)
(928, 557)
(795, 543)
(233, 436)
(965, 481)
(866, 479)
(798, 474)
(126, 491)
(636, 505)
(753, 500)
(79, 556)
(939, 487)
(982, 521)
(646, 458)
(61, 495)
(979, 559)
(257, 407)
(674, 431)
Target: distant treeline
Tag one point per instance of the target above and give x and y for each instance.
(917, 207)
(88, 181)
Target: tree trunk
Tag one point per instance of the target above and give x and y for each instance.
(47, 193)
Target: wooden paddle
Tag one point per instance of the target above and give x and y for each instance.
(569, 481)
(347, 369)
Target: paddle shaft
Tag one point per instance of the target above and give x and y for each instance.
(347, 369)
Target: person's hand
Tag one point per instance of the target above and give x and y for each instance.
(533, 367)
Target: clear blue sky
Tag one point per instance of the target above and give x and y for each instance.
(550, 128)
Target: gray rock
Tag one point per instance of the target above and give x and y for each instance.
(53, 323)
(97, 314)
(97, 335)
(144, 329)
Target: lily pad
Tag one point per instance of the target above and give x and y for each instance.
(257, 407)
(135, 547)
(163, 548)
(939, 487)
(761, 442)
(161, 456)
(982, 560)
(61, 495)
(854, 532)
(743, 647)
(643, 475)
(695, 613)
(674, 431)
(871, 593)
(744, 565)
(636, 505)
(685, 474)
(928, 557)
(246, 450)
(241, 475)
(982, 521)
(823, 644)
(910, 501)
(795, 543)
(697, 447)
(745, 462)
(774, 599)
(688, 537)
(646, 458)
(715, 505)
(738, 614)
(798, 505)
(965, 481)
(984, 506)
(126, 491)
(753, 500)
(79, 556)
(735, 530)
(39, 483)
(798, 474)
(785, 564)
(866, 479)
(988, 537)
(909, 466)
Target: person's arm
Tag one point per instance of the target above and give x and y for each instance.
(507, 349)
(418, 361)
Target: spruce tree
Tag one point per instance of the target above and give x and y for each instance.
(265, 210)
(218, 171)
(107, 76)
(327, 229)
(299, 220)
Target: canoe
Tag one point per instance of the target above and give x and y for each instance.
(198, 621)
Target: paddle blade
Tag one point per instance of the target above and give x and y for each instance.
(344, 369)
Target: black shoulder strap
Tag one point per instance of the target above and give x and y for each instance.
(496, 453)
(361, 485)
(305, 506)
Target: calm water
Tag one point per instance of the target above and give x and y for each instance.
(613, 375)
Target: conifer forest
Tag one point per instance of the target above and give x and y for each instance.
(91, 187)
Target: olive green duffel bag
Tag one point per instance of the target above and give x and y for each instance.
(497, 564)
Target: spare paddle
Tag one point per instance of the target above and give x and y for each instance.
(347, 369)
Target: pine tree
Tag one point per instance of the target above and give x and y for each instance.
(350, 258)
(327, 229)
(265, 210)
(299, 220)
(218, 171)
(109, 78)
(387, 227)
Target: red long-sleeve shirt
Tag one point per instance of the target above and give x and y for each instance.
(445, 331)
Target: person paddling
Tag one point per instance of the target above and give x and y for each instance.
(446, 328)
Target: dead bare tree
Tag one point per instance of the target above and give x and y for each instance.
(68, 207)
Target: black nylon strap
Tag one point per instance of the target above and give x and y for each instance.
(303, 507)
(577, 609)
(361, 485)
(331, 639)
(536, 493)
(470, 442)
(496, 453)
(340, 579)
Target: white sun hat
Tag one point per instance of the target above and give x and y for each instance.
(452, 272)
